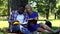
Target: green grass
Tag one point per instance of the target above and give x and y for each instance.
(4, 24)
(55, 24)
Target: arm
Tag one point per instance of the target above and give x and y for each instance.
(10, 19)
(36, 18)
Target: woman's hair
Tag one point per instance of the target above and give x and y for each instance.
(28, 5)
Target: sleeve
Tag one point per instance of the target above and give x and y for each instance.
(36, 14)
(10, 18)
(25, 18)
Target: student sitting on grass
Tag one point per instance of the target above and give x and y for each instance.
(18, 15)
(34, 26)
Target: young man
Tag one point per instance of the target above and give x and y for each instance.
(37, 27)
(18, 15)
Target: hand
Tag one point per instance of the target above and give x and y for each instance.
(16, 22)
(31, 19)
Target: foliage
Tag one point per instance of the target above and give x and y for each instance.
(58, 13)
(45, 7)
(3, 7)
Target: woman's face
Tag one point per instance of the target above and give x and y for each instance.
(28, 9)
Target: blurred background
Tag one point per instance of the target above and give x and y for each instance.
(47, 9)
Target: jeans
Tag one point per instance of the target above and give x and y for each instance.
(20, 28)
(24, 30)
(15, 28)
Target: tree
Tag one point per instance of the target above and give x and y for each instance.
(53, 6)
(3, 7)
(43, 7)
(16, 3)
(58, 13)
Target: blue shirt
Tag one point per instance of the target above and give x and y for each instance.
(33, 27)
(20, 18)
(33, 15)
(13, 15)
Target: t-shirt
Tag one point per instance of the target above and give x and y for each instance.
(33, 27)
(20, 18)
(33, 15)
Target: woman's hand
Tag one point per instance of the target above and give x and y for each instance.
(33, 18)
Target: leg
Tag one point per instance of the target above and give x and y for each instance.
(46, 27)
(24, 30)
(42, 30)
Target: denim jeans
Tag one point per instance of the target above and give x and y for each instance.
(15, 28)
(20, 28)
(24, 30)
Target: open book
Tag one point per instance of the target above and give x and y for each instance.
(33, 21)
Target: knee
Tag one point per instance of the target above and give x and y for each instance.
(42, 24)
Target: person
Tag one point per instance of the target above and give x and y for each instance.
(18, 15)
(36, 27)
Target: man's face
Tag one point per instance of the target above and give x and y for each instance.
(21, 10)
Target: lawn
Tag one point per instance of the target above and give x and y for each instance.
(55, 24)
(4, 24)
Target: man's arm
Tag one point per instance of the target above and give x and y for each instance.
(10, 19)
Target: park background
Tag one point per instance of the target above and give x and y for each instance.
(47, 9)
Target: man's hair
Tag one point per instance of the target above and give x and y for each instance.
(21, 8)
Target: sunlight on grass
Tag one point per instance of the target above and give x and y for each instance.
(55, 23)
(51, 17)
(4, 24)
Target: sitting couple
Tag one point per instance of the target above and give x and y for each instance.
(23, 17)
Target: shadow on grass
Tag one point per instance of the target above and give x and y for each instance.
(2, 30)
(54, 28)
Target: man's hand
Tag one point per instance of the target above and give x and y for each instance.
(17, 22)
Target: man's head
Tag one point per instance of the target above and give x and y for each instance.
(21, 10)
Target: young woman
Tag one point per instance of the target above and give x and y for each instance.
(36, 27)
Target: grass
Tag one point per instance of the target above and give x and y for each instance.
(55, 24)
(4, 24)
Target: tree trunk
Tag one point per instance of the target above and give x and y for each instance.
(16, 3)
(55, 15)
(47, 13)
